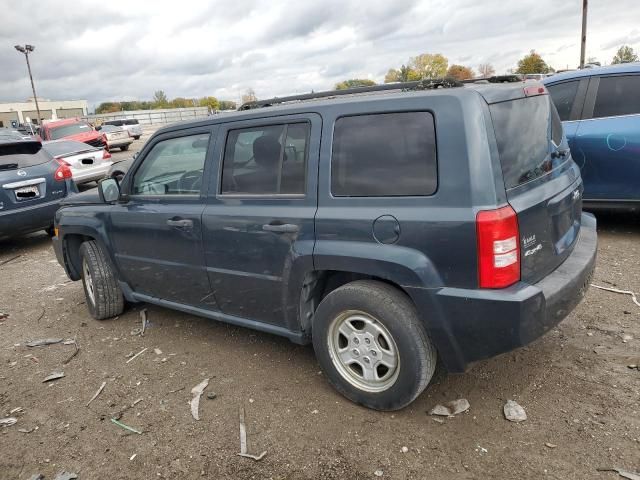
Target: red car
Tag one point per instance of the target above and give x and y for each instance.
(73, 129)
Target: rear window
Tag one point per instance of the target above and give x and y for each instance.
(71, 129)
(117, 123)
(522, 129)
(390, 154)
(22, 155)
(131, 121)
(618, 95)
(66, 147)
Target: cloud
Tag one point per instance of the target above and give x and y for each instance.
(126, 50)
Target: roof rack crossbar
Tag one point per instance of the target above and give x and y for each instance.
(403, 86)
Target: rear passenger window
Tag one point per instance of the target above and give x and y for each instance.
(390, 154)
(563, 95)
(268, 160)
(617, 96)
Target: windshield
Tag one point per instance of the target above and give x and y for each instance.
(71, 129)
(523, 131)
(66, 147)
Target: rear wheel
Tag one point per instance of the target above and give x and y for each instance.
(104, 298)
(372, 346)
(124, 148)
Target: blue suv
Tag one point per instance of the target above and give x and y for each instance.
(388, 228)
(600, 111)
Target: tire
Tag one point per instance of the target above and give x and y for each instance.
(389, 322)
(124, 148)
(136, 138)
(103, 295)
(51, 231)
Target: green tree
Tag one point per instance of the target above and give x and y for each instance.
(532, 63)
(227, 105)
(211, 102)
(108, 107)
(625, 54)
(181, 102)
(486, 70)
(429, 65)
(354, 83)
(460, 72)
(160, 99)
(402, 74)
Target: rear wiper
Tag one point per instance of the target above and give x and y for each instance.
(8, 166)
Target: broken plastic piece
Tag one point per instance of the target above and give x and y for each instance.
(8, 421)
(197, 393)
(126, 427)
(53, 376)
(243, 440)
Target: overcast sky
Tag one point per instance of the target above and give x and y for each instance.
(124, 50)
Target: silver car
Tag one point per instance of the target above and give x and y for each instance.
(117, 137)
(87, 163)
(131, 125)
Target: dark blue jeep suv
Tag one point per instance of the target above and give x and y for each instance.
(387, 225)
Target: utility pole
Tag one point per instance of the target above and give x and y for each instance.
(27, 49)
(583, 42)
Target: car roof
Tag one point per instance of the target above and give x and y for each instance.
(633, 67)
(491, 93)
(64, 121)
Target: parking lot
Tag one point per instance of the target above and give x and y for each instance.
(576, 385)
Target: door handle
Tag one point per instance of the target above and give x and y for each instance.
(182, 223)
(281, 228)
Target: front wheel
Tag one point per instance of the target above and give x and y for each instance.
(104, 298)
(124, 148)
(372, 346)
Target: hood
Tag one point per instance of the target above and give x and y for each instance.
(84, 136)
(88, 197)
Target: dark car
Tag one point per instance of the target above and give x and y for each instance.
(600, 110)
(32, 183)
(388, 228)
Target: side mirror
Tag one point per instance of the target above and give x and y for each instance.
(109, 190)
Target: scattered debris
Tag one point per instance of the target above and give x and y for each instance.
(197, 393)
(550, 445)
(4, 262)
(136, 355)
(43, 341)
(65, 476)
(439, 420)
(177, 390)
(75, 352)
(129, 355)
(136, 402)
(16, 410)
(378, 473)
(404, 449)
(132, 456)
(211, 395)
(243, 440)
(143, 319)
(8, 421)
(53, 376)
(26, 430)
(36, 476)
(632, 366)
(69, 342)
(514, 412)
(3, 315)
(623, 292)
(95, 395)
(157, 351)
(451, 408)
(315, 412)
(481, 450)
(622, 473)
(626, 337)
(126, 427)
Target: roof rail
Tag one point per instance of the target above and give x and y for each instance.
(426, 84)
(511, 78)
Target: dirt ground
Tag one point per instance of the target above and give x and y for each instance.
(581, 398)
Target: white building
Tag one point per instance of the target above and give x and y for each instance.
(22, 112)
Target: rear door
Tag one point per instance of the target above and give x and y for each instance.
(158, 231)
(27, 176)
(608, 139)
(542, 182)
(260, 222)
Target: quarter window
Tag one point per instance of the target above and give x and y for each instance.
(563, 95)
(389, 154)
(173, 167)
(267, 160)
(619, 95)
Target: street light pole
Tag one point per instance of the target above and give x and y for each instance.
(583, 39)
(26, 50)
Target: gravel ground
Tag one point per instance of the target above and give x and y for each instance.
(581, 398)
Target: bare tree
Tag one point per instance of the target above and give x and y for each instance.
(249, 96)
(486, 70)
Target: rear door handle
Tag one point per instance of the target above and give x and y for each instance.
(180, 223)
(281, 228)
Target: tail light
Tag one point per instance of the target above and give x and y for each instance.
(498, 248)
(106, 155)
(63, 172)
(534, 90)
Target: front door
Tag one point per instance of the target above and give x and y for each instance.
(259, 226)
(158, 231)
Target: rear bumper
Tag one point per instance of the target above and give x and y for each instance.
(121, 142)
(24, 220)
(471, 325)
(89, 174)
